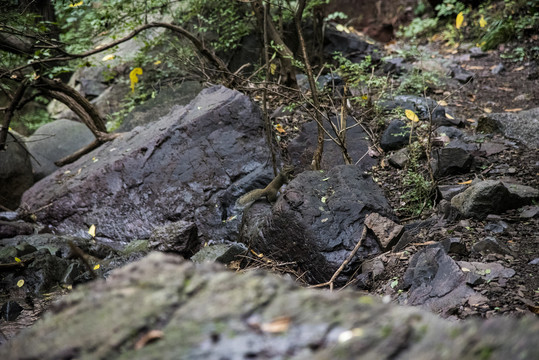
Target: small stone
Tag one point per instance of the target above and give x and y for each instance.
(11, 310)
(498, 69)
(490, 245)
(534, 262)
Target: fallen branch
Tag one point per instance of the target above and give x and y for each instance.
(345, 262)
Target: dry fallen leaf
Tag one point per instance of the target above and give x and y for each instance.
(279, 325)
(151, 335)
(520, 68)
(513, 110)
(487, 110)
(465, 182)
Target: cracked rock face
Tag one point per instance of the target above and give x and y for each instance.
(206, 312)
(190, 165)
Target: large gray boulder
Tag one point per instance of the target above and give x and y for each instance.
(493, 197)
(317, 222)
(522, 126)
(162, 307)
(54, 141)
(15, 172)
(191, 165)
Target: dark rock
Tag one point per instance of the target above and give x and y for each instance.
(302, 147)
(491, 245)
(15, 172)
(54, 141)
(223, 253)
(395, 136)
(474, 279)
(373, 267)
(522, 126)
(529, 212)
(206, 312)
(454, 246)
(520, 194)
(9, 229)
(190, 165)
(448, 212)
(330, 81)
(411, 231)
(476, 52)
(248, 52)
(180, 237)
(449, 191)
(496, 228)
(450, 131)
(153, 109)
(492, 197)
(10, 310)
(463, 76)
(435, 281)
(350, 45)
(450, 161)
(396, 65)
(317, 222)
(423, 107)
(399, 158)
(498, 69)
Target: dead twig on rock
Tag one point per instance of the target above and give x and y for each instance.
(345, 262)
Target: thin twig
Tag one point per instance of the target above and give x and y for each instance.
(345, 262)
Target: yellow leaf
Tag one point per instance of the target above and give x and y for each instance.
(20, 283)
(17, 259)
(273, 68)
(364, 97)
(324, 199)
(442, 103)
(96, 267)
(91, 231)
(460, 19)
(449, 116)
(108, 57)
(482, 21)
(75, 5)
(340, 28)
(411, 115)
(157, 62)
(487, 110)
(133, 77)
(465, 182)
(280, 129)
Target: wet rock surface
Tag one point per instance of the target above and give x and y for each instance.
(15, 172)
(180, 307)
(189, 166)
(317, 221)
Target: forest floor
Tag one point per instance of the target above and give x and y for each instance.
(514, 89)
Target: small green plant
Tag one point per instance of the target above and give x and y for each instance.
(418, 27)
(449, 8)
(418, 193)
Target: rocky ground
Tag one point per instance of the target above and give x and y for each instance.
(513, 89)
